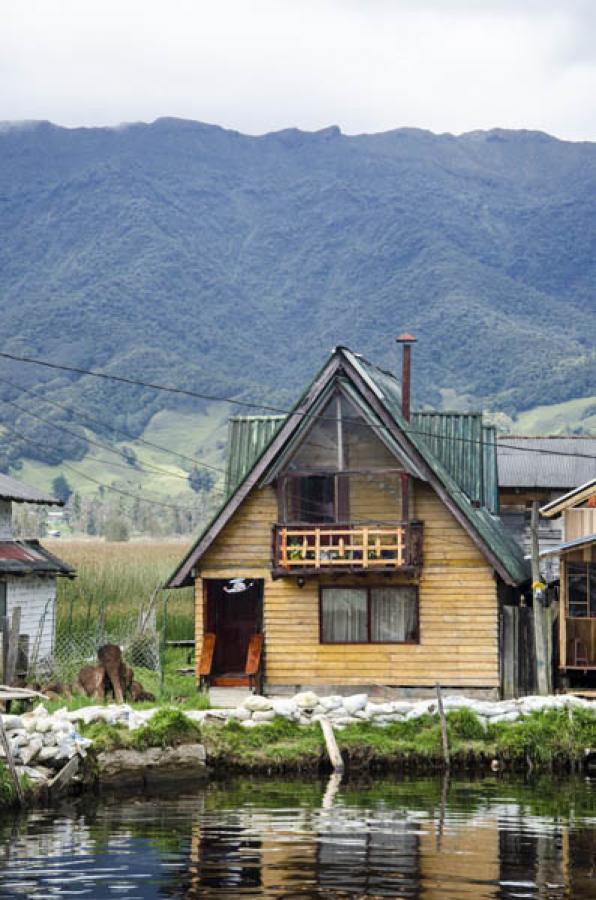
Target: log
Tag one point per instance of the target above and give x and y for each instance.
(332, 748)
(62, 779)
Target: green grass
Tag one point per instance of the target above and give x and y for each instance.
(547, 739)
(573, 417)
(198, 435)
(167, 728)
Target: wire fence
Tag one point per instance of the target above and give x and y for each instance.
(77, 640)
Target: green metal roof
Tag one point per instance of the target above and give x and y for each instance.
(461, 441)
(247, 438)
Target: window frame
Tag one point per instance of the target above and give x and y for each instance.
(368, 588)
(589, 566)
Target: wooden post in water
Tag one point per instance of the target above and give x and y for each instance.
(332, 748)
(10, 760)
(443, 721)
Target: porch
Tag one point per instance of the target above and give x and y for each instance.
(346, 547)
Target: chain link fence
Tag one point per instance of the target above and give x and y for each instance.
(77, 640)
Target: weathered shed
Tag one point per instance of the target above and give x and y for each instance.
(28, 572)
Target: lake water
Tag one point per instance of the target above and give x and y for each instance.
(297, 839)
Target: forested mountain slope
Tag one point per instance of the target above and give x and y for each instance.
(183, 253)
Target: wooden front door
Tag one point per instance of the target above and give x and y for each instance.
(234, 617)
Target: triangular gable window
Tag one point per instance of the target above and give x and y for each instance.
(341, 471)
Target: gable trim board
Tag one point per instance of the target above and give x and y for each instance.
(485, 531)
(572, 498)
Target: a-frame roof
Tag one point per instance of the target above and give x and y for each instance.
(378, 396)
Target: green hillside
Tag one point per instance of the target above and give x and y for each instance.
(184, 254)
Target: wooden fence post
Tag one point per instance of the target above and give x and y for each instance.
(443, 720)
(541, 642)
(10, 760)
(13, 646)
(332, 748)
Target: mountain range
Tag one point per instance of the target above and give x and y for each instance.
(182, 253)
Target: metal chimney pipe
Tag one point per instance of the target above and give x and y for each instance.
(406, 340)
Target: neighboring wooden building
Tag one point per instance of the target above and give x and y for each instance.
(28, 573)
(542, 469)
(577, 559)
(360, 546)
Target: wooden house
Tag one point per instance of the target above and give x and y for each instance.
(540, 469)
(577, 561)
(28, 574)
(357, 546)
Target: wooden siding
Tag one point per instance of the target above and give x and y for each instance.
(458, 607)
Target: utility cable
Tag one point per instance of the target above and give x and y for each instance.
(274, 409)
(115, 428)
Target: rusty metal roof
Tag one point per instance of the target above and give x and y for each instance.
(19, 492)
(30, 558)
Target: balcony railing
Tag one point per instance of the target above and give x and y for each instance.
(347, 547)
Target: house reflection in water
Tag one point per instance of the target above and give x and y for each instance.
(495, 852)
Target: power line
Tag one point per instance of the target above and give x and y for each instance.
(115, 428)
(102, 484)
(102, 446)
(274, 409)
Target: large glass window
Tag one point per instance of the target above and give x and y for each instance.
(581, 590)
(2, 598)
(311, 498)
(369, 615)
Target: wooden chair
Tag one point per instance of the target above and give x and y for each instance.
(206, 660)
(253, 663)
(578, 653)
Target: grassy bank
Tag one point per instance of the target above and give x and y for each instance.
(542, 741)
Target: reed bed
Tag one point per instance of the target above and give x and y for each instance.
(115, 579)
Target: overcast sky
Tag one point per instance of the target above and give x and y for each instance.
(262, 65)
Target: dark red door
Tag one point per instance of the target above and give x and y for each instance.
(234, 616)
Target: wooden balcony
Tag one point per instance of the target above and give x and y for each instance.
(346, 547)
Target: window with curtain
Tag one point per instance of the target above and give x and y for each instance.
(369, 615)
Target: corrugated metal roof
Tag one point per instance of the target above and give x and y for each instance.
(466, 447)
(19, 492)
(534, 462)
(247, 438)
(569, 545)
(29, 557)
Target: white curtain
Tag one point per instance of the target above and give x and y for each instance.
(393, 614)
(344, 612)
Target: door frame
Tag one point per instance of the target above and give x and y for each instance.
(212, 587)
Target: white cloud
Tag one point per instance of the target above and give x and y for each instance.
(259, 65)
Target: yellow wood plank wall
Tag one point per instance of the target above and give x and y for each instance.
(458, 607)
